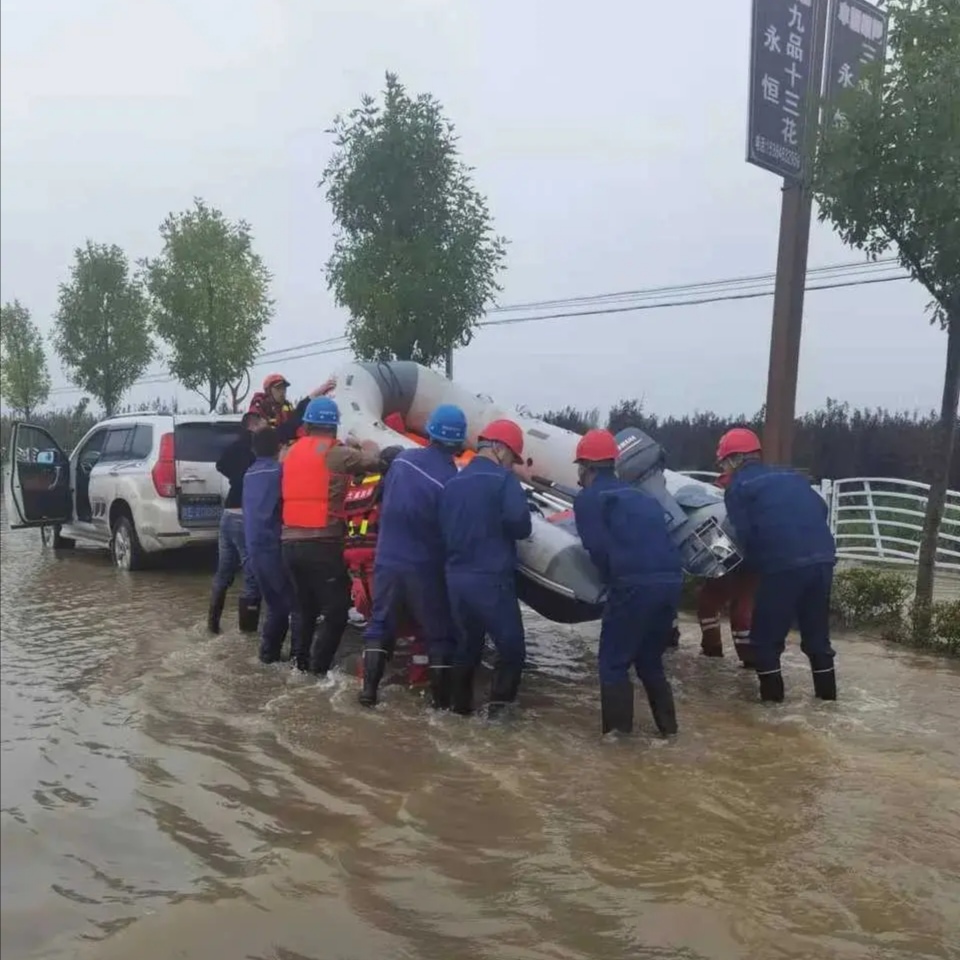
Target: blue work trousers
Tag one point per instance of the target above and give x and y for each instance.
(786, 597)
(635, 629)
(419, 593)
(277, 590)
(484, 605)
(232, 558)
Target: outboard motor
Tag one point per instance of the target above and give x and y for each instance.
(695, 512)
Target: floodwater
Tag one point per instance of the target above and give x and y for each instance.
(164, 796)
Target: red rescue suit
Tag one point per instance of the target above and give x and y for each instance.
(362, 510)
(735, 590)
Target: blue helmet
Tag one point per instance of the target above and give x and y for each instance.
(322, 412)
(447, 425)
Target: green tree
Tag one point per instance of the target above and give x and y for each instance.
(416, 258)
(24, 378)
(211, 299)
(889, 177)
(102, 325)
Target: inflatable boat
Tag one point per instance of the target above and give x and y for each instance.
(555, 575)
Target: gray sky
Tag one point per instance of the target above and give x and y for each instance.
(609, 140)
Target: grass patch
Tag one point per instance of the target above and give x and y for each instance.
(878, 599)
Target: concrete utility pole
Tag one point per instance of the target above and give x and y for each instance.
(449, 363)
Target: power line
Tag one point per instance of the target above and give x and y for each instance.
(647, 299)
(830, 269)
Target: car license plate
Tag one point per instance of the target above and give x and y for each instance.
(207, 514)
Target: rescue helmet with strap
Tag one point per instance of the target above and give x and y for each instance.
(506, 432)
(738, 440)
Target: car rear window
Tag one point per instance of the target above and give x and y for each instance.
(204, 442)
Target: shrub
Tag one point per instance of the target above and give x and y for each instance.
(865, 596)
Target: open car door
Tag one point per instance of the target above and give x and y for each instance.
(38, 479)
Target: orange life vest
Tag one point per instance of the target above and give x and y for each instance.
(306, 483)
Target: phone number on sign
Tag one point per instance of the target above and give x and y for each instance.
(777, 151)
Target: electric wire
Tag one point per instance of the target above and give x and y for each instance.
(653, 298)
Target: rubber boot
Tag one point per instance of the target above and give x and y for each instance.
(745, 652)
(616, 707)
(461, 690)
(504, 687)
(711, 641)
(374, 664)
(441, 683)
(217, 600)
(824, 678)
(660, 698)
(248, 615)
(771, 686)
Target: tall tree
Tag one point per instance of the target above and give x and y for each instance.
(416, 257)
(889, 176)
(211, 299)
(102, 328)
(24, 378)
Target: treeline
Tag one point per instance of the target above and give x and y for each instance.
(68, 425)
(832, 442)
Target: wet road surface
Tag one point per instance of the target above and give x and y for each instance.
(165, 796)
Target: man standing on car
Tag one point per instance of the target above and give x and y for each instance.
(232, 548)
(315, 477)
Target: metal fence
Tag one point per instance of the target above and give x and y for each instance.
(880, 519)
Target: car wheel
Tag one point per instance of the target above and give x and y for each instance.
(125, 545)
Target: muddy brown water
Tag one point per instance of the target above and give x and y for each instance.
(164, 796)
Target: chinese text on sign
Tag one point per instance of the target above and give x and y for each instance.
(857, 37)
(782, 78)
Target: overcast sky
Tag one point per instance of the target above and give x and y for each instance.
(609, 139)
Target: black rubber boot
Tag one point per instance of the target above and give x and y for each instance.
(745, 653)
(217, 599)
(461, 690)
(616, 707)
(248, 615)
(374, 664)
(441, 683)
(660, 697)
(824, 678)
(771, 686)
(504, 687)
(324, 650)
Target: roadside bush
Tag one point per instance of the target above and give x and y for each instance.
(863, 596)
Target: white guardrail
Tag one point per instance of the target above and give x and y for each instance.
(880, 519)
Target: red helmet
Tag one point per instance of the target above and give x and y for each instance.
(274, 380)
(596, 446)
(507, 433)
(737, 440)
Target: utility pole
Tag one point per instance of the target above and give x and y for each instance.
(449, 363)
(795, 216)
(796, 68)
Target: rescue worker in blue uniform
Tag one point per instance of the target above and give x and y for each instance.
(262, 523)
(782, 527)
(483, 513)
(625, 532)
(408, 570)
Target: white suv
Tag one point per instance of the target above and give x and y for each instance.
(138, 484)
